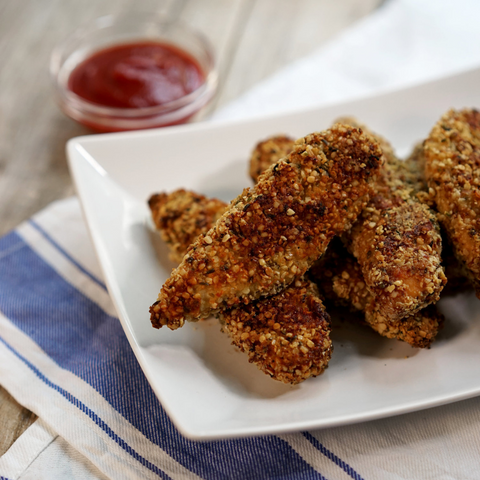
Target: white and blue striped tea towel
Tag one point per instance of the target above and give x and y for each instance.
(64, 355)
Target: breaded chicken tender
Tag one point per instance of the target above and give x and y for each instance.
(271, 234)
(182, 216)
(268, 152)
(457, 281)
(399, 251)
(340, 278)
(452, 170)
(397, 241)
(287, 336)
(418, 330)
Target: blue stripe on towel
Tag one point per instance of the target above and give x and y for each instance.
(35, 225)
(87, 411)
(331, 456)
(83, 339)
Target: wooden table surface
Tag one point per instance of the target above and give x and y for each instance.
(252, 39)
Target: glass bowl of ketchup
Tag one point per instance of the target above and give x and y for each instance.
(133, 71)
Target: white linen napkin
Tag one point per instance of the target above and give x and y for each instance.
(404, 42)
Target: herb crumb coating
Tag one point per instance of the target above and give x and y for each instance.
(452, 169)
(418, 330)
(181, 216)
(397, 241)
(287, 336)
(340, 279)
(269, 152)
(271, 234)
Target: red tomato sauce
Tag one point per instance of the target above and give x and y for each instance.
(136, 75)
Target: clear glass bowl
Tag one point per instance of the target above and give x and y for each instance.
(112, 30)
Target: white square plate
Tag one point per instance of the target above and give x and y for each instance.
(208, 388)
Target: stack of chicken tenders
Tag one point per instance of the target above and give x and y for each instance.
(334, 218)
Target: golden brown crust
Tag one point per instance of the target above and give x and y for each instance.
(347, 280)
(397, 241)
(340, 276)
(272, 233)
(452, 169)
(287, 336)
(399, 250)
(385, 145)
(268, 152)
(418, 330)
(181, 216)
(457, 281)
(338, 262)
